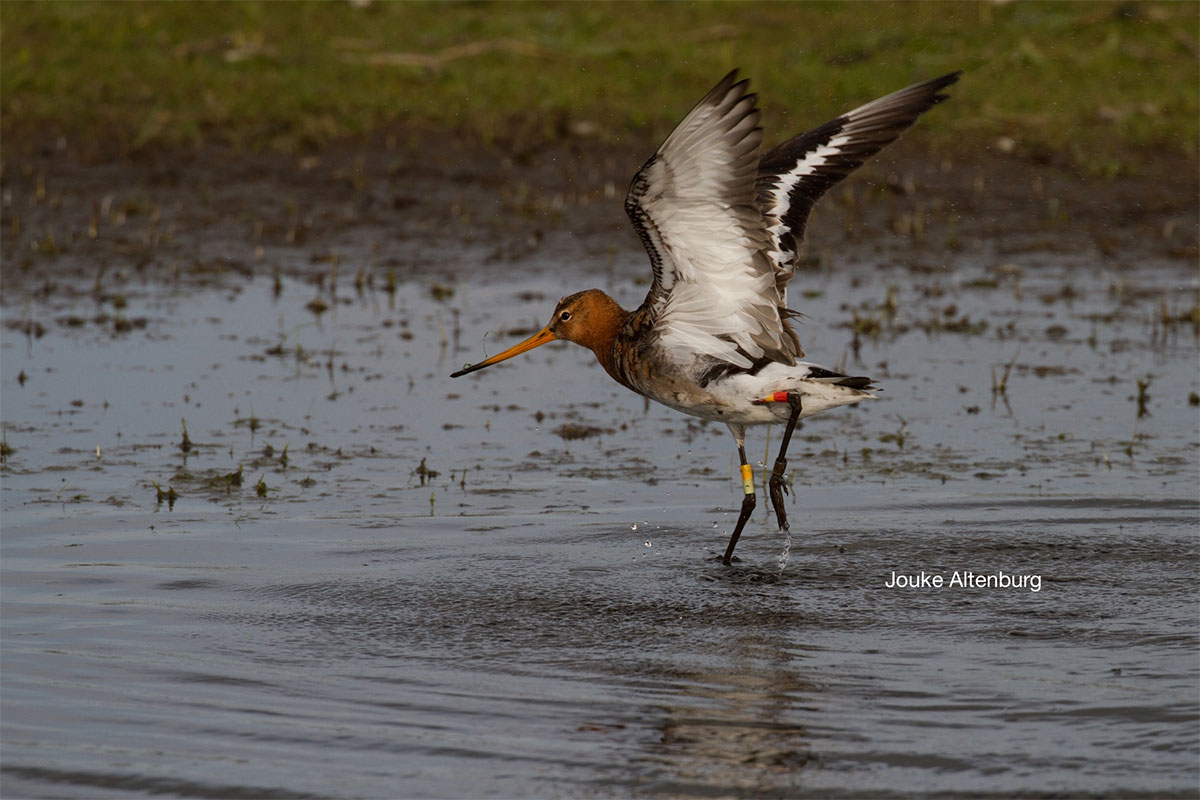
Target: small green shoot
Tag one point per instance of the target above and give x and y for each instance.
(167, 494)
(1143, 395)
(425, 473)
(6, 449)
(1000, 387)
(229, 480)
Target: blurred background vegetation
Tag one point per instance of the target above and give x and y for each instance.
(1100, 87)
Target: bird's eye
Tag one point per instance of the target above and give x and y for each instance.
(564, 316)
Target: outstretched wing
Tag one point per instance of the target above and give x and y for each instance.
(794, 175)
(693, 204)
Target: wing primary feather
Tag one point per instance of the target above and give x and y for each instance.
(796, 173)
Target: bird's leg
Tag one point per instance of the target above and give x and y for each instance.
(748, 500)
(776, 485)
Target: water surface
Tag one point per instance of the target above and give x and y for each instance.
(441, 592)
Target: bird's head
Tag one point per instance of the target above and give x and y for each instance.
(590, 318)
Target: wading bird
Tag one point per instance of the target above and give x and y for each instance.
(723, 227)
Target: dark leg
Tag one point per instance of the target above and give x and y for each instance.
(776, 483)
(748, 502)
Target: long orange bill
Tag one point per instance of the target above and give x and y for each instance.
(537, 340)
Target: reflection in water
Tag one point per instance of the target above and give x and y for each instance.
(734, 730)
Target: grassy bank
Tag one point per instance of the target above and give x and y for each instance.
(1100, 85)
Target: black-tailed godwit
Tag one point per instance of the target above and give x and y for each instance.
(723, 227)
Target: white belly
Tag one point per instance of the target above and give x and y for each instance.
(731, 399)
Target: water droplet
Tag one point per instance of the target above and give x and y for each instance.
(786, 554)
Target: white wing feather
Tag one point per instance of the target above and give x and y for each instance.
(693, 203)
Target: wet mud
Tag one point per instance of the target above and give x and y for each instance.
(257, 544)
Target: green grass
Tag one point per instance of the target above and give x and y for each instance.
(1101, 85)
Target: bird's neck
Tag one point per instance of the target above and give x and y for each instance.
(606, 318)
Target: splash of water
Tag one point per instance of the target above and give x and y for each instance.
(786, 553)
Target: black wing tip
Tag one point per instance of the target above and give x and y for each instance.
(934, 84)
(728, 84)
(937, 84)
(947, 79)
(920, 97)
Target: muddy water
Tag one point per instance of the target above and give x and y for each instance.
(507, 585)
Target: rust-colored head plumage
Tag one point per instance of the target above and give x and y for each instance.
(590, 318)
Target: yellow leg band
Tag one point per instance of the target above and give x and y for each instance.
(747, 479)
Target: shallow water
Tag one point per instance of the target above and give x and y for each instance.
(546, 615)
